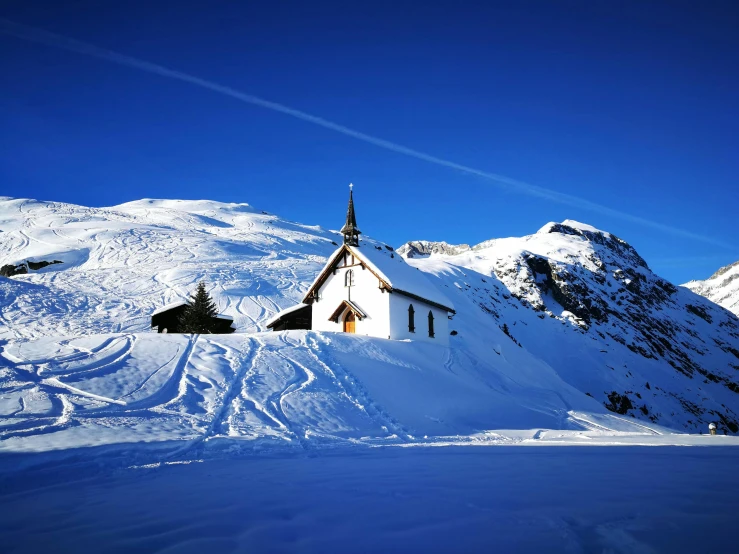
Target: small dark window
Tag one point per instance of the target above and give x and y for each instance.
(411, 319)
(349, 278)
(431, 324)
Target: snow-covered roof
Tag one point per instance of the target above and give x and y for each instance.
(393, 269)
(351, 305)
(285, 312)
(183, 303)
(168, 307)
(398, 274)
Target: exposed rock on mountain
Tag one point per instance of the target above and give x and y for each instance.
(722, 287)
(421, 248)
(8, 270)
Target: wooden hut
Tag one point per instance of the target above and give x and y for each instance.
(167, 318)
(295, 317)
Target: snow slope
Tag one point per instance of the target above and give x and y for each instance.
(288, 390)
(722, 287)
(556, 333)
(124, 262)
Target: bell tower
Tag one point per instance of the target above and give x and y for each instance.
(350, 230)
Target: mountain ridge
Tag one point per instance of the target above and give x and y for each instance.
(722, 287)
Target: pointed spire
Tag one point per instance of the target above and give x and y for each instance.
(350, 230)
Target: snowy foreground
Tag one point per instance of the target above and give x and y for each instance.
(285, 442)
(490, 499)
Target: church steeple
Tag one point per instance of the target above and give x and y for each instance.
(350, 230)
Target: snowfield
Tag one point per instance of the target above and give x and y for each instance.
(576, 500)
(303, 440)
(293, 390)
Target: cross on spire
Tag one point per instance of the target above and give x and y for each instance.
(350, 230)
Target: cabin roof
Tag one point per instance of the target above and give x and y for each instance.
(182, 303)
(392, 269)
(285, 312)
(169, 307)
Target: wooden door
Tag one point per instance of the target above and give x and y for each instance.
(349, 322)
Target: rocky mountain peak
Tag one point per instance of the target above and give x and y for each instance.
(722, 287)
(424, 248)
(610, 241)
(726, 269)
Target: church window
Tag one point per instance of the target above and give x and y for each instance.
(431, 324)
(349, 278)
(411, 319)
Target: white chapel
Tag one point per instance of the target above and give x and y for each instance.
(370, 290)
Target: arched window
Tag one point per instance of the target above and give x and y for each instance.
(411, 319)
(349, 278)
(431, 324)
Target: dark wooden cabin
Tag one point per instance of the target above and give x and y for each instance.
(167, 318)
(295, 317)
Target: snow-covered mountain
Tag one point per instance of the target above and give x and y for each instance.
(588, 304)
(722, 287)
(566, 329)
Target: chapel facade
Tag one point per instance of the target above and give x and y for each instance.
(368, 289)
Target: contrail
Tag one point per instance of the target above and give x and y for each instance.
(59, 41)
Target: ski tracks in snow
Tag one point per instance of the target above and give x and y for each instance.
(353, 390)
(242, 366)
(302, 378)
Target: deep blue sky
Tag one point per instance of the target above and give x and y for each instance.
(633, 105)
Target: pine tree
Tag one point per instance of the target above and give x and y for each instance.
(200, 312)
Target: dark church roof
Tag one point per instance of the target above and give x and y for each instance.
(350, 230)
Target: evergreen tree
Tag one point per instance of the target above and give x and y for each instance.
(199, 313)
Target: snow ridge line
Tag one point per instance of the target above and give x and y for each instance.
(591, 425)
(356, 393)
